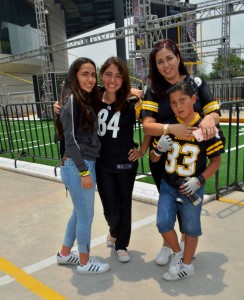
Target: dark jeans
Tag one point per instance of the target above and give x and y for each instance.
(115, 190)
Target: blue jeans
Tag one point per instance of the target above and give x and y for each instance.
(168, 208)
(80, 222)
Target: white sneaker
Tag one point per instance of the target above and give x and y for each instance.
(110, 240)
(182, 247)
(72, 259)
(93, 266)
(123, 255)
(175, 262)
(163, 256)
(183, 272)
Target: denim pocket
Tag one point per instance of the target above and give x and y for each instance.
(65, 175)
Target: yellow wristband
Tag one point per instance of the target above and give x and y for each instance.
(166, 129)
(85, 173)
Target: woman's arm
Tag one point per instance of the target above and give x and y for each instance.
(211, 118)
(152, 128)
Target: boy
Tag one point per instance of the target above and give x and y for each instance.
(186, 159)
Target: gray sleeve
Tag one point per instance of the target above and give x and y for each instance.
(69, 116)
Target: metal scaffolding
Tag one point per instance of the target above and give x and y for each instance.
(142, 28)
(41, 13)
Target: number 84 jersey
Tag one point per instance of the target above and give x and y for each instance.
(116, 130)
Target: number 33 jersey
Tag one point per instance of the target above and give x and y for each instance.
(116, 131)
(188, 157)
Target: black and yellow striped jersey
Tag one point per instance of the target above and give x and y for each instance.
(188, 157)
(160, 109)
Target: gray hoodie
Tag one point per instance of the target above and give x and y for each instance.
(80, 144)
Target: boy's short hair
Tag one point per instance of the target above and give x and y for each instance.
(183, 86)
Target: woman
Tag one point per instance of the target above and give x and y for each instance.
(78, 116)
(117, 165)
(167, 68)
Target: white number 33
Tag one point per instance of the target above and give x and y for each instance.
(190, 154)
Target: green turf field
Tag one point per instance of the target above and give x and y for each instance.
(35, 140)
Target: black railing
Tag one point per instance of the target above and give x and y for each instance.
(27, 130)
(233, 171)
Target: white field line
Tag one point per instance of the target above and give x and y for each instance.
(4, 280)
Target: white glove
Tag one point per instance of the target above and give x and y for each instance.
(192, 184)
(164, 144)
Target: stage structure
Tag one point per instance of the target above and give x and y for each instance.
(146, 14)
(151, 20)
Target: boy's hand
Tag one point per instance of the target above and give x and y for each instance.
(191, 185)
(164, 144)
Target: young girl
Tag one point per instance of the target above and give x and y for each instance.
(185, 159)
(78, 116)
(117, 165)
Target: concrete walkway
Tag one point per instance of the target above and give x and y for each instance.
(33, 213)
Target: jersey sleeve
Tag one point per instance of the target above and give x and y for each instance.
(138, 108)
(207, 101)
(214, 148)
(150, 106)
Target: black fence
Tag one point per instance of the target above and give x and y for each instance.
(27, 131)
(232, 171)
(227, 91)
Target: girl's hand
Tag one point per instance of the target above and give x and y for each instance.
(136, 92)
(86, 182)
(56, 107)
(135, 154)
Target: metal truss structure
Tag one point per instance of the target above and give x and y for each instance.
(45, 55)
(6, 89)
(149, 29)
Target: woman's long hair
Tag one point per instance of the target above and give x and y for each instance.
(123, 93)
(87, 102)
(158, 82)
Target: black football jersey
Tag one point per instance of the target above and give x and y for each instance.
(116, 131)
(162, 112)
(188, 157)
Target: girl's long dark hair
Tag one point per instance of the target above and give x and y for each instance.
(123, 93)
(158, 82)
(87, 102)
